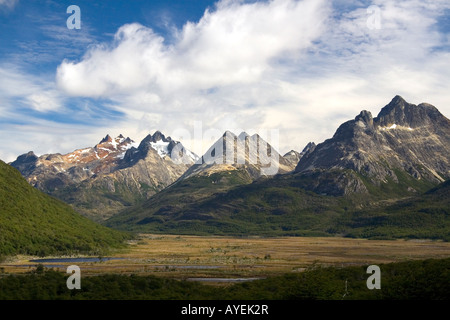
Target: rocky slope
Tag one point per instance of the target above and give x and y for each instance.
(407, 145)
(101, 180)
(251, 154)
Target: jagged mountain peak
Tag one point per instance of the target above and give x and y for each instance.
(120, 139)
(398, 114)
(397, 106)
(404, 140)
(241, 136)
(294, 157)
(292, 152)
(164, 147)
(365, 116)
(398, 100)
(309, 147)
(159, 136)
(230, 142)
(27, 156)
(106, 139)
(401, 113)
(156, 137)
(25, 163)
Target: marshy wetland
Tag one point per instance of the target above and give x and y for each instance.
(222, 260)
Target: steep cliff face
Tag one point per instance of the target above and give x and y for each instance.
(404, 142)
(101, 180)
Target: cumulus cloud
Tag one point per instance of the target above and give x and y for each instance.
(236, 44)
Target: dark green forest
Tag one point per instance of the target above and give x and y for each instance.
(34, 223)
(411, 280)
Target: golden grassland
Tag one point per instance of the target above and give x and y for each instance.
(185, 257)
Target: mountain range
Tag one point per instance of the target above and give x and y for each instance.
(369, 164)
(242, 185)
(117, 172)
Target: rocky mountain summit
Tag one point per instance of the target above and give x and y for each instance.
(53, 171)
(251, 154)
(117, 172)
(294, 157)
(405, 144)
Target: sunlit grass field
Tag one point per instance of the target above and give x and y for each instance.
(229, 259)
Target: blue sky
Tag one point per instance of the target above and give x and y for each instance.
(192, 68)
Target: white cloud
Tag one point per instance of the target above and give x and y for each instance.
(43, 101)
(31, 91)
(233, 45)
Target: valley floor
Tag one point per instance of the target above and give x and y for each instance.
(221, 260)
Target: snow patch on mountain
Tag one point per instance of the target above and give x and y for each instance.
(161, 147)
(130, 145)
(191, 155)
(125, 148)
